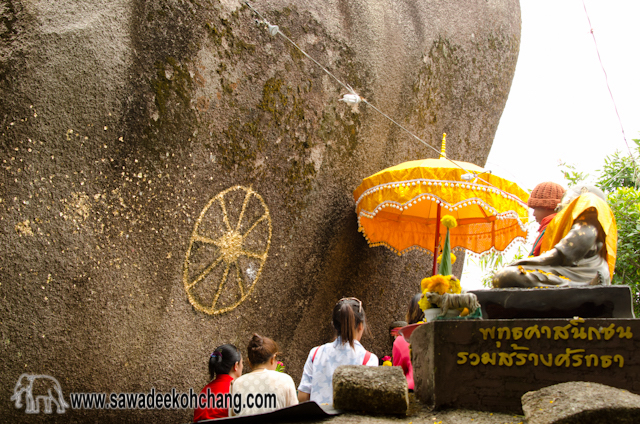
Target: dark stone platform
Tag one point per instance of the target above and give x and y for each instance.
(557, 302)
(488, 365)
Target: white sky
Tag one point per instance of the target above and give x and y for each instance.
(559, 107)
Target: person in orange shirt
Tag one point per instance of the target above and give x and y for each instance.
(578, 247)
(544, 200)
(225, 365)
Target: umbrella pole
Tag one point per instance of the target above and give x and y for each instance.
(437, 243)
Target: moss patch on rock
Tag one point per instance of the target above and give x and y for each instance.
(456, 83)
(281, 110)
(165, 37)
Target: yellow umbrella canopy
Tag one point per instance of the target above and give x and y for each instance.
(400, 207)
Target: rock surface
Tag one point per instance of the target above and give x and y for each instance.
(160, 156)
(370, 390)
(419, 413)
(579, 402)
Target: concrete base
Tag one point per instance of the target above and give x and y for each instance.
(557, 302)
(489, 364)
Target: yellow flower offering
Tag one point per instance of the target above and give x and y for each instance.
(453, 258)
(454, 285)
(387, 364)
(439, 285)
(423, 303)
(436, 284)
(449, 221)
(424, 284)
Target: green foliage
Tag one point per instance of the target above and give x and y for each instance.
(625, 202)
(620, 171)
(490, 263)
(572, 176)
(619, 178)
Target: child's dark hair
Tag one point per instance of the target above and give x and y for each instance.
(347, 316)
(223, 359)
(260, 349)
(414, 313)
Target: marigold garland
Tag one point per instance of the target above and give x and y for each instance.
(436, 284)
(440, 286)
(548, 274)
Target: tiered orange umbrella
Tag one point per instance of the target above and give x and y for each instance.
(401, 207)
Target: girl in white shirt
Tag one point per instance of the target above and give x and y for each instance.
(350, 323)
(263, 389)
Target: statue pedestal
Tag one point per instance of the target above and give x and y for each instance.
(489, 364)
(556, 302)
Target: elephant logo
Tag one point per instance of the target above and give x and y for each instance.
(38, 388)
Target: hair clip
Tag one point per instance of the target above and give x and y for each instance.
(353, 298)
(217, 353)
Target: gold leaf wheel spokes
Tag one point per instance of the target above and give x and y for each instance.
(227, 250)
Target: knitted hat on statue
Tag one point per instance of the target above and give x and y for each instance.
(546, 195)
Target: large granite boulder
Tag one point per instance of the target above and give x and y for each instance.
(174, 178)
(580, 402)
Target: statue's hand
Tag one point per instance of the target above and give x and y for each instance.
(525, 261)
(552, 257)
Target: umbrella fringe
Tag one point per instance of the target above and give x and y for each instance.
(441, 183)
(468, 252)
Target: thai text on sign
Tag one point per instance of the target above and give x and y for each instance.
(523, 355)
